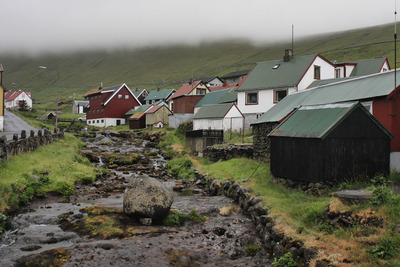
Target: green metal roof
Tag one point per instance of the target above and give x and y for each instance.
(285, 74)
(219, 97)
(156, 95)
(230, 96)
(318, 121)
(312, 121)
(142, 108)
(212, 111)
(360, 88)
(368, 66)
(210, 98)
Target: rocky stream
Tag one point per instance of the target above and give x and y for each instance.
(90, 229)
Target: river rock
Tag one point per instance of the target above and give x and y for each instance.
(146, 197)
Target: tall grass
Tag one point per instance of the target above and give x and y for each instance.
(55, 167)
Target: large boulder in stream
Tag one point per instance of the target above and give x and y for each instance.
(145, 197)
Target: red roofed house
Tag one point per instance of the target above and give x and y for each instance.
(107, 106)
(157, 114)
(183, 101)
(13, 99)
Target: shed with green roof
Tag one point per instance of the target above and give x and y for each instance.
(330, 143)
(219, 117)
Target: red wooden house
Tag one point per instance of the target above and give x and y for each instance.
(107, 106)
(187, 96)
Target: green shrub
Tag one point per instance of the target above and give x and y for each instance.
(181, 167)
(379, 180)
(381, 195)
(285, 261)
(177, 218)
(3, 221)
(386, 249)
(66, 188)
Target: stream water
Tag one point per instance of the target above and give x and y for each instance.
(220, 241)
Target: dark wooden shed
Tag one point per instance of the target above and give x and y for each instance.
(137, 121)
(330, 143)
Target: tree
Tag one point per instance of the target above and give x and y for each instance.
(23, 105)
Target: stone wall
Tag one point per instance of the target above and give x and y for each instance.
(261, 141)
(23, 144)
(228, 152)
(274, 240)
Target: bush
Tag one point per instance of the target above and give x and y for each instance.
(285, 261)
(177, 218)
(66, 188)
(386, 249)
(180, 167)
(3, 221)
(381, 195)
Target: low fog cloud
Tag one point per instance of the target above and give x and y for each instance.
(66, 25)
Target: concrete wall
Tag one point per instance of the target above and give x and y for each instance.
(177, 119)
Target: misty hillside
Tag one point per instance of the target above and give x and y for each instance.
(169, 67)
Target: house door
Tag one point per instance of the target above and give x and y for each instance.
(118, 122)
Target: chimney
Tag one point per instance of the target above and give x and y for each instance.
(190, 81)
(288, 55)
(101, 86)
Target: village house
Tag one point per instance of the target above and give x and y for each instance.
(376, 92)
(156, 96)
(107, 106)
(141, 94)
(226, 117)
(235, 77)
(157, 114)
(330, 143)
(2, 89)
(79, 106)
(271, 81)
(212, 81)
(182, 103)
(218, 97)
(13, 100)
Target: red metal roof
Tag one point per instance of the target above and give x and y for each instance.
(10, 95)
(185, 89)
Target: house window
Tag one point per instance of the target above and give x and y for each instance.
(88, 122)
(252, 98)
(317, 72)
(126, 96)
(102, 121)
(337, 73)
(119, 96)
(97, 121)
(102, 110)
(279, 95)
(384, 70)
(98, 111)
(89, 112)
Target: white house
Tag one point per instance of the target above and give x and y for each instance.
(271, 81)
(219, 117)
(13, 99)
(79, 106)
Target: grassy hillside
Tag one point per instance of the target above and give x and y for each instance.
(169, 67)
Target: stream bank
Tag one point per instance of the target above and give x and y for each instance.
(37, 237)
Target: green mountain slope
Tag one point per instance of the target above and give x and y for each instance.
(169, 67)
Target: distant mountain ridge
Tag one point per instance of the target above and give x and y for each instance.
(170, 66)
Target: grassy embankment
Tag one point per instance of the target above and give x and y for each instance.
(53, 168)
(301, 216)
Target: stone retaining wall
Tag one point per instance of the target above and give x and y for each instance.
(261, 141)
(23, 144)
(274, 240)
(228, 152)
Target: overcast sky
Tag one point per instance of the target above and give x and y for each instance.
(57, 25)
